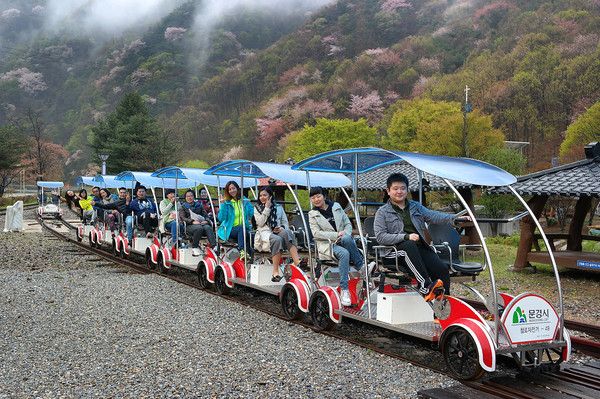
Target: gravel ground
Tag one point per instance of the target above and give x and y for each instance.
(75, 327)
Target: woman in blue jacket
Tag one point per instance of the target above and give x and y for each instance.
(230, 216)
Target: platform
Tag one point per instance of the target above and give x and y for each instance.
(581, 260)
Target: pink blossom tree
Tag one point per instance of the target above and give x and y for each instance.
(369, 106)
(393, 5)
(30, 82)
(269, 132)
(173, 34)
(10, 15)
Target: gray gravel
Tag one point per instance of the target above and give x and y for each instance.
(71, 328)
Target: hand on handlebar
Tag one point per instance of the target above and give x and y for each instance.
(463, 219)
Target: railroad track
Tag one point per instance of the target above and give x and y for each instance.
(576, 381)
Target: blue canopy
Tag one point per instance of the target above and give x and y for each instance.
(146, 179)
(359, 160)
(87, 180)
(282, 172)
(108, 181)
(50, 184)
(192, 174)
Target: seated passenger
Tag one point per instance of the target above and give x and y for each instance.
(145, 211)
(230, 216)
(401, 223)
(197, 222)
(328, 221)
(273, 232)
(167, 213)
(70, 199)
(117, 208)
(107, 198)
(97, 198)
(204, 200)
(85, 203)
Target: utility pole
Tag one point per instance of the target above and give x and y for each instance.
(466, 110)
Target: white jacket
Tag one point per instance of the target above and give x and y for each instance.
(323, 231)
(263, 232)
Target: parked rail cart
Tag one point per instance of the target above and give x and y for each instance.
(49, 208)
(258, 274)
(528, 326)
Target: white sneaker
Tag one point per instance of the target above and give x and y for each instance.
(370, 268)
(346, 301)
(196, 252)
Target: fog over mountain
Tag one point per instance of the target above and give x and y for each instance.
(106, 19)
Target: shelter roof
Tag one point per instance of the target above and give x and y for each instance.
(376, 179)
(574, 179)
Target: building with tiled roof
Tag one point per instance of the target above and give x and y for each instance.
(578, 179)
(375, 179)
(572, 180)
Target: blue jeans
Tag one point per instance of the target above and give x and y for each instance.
(347, 252)
(172, 225)
(129, 226)
(237, 233)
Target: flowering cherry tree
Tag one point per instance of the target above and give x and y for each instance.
(369, 106)
(393, 5)
(173, 34)
(30, 82)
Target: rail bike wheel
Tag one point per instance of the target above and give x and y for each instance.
(461, 355)
(160, 264)
(220, 283)
(122, 253)
(79, 238)
(149, 263)
(114, 247)
(319, 312)
(203, 276)
(91, 240)
(289, 304)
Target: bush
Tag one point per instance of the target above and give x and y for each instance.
(511, 241)
(7, 201)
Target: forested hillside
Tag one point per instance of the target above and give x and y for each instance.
(249, 81)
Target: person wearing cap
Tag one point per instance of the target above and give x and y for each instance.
(168, 209)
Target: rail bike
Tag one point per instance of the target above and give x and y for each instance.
(103, 232)
(233, 270)
(133, 239)
(84, 229)
(528, 326)
(166, 254)
(49, 208)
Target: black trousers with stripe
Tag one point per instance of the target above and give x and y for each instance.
(423, 264)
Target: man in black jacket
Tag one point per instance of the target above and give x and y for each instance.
(118, 207)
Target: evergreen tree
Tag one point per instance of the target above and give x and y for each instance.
(132, 138)
(11, 151)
